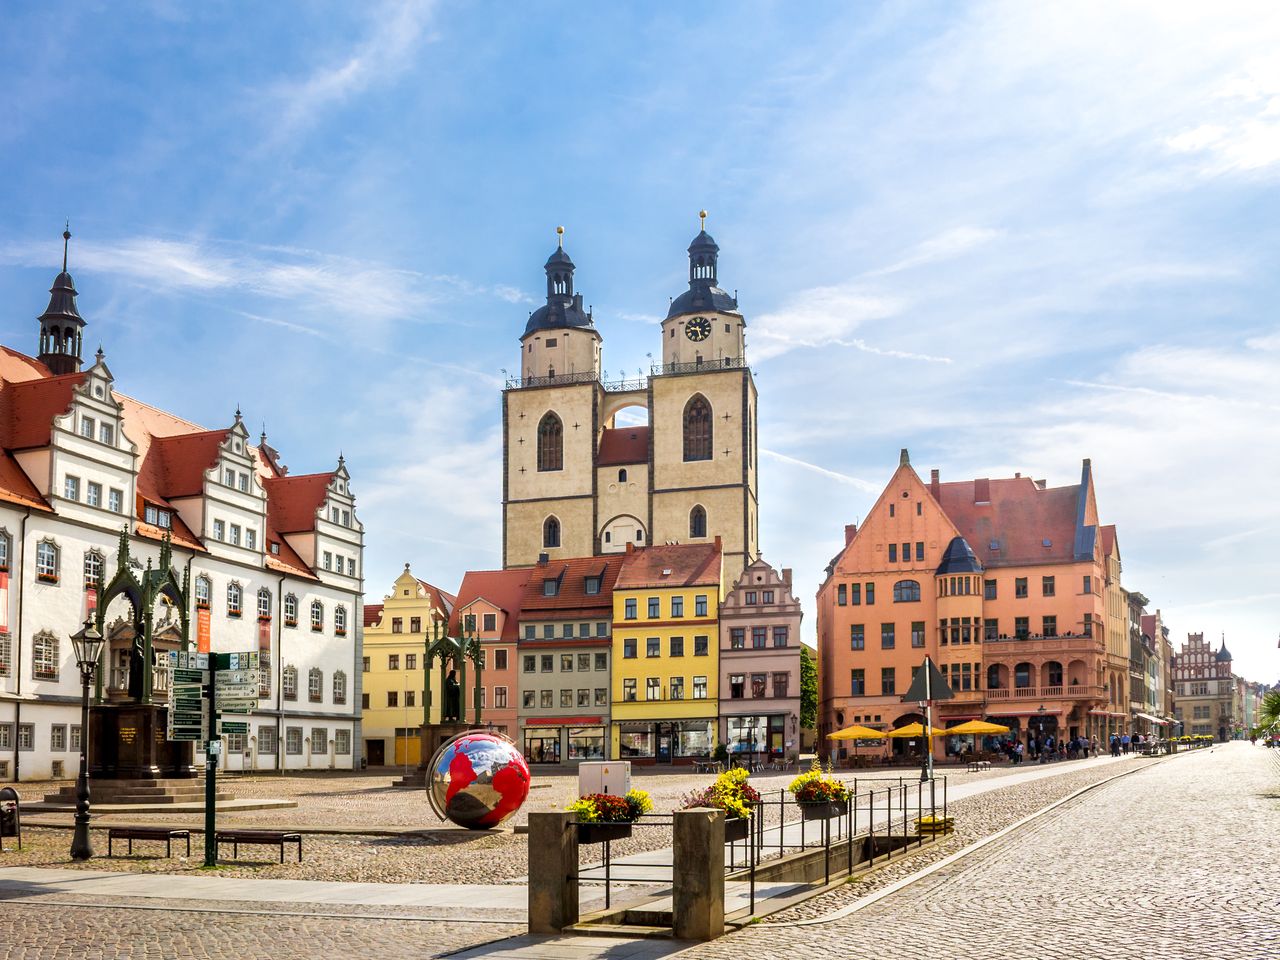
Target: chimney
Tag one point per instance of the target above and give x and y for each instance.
(904, 458)
(631, 547)
(982, 490)
(850, 531)
(786, 576)
(935, 486)
(544, 559)
(717, 543)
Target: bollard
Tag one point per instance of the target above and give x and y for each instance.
(698, 888)
(553, 872)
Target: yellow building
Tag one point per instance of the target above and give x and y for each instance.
(580, 480)
(666, 608)
(395, 636)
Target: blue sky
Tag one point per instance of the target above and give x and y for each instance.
(1005, 236)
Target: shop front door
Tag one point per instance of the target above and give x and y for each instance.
(664, 743)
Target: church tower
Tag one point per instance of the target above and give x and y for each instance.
(578, 480)
(61, 326)
(550, 425)
(703, 416)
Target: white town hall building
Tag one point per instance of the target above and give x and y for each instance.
(275, 562)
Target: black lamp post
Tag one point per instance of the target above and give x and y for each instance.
(87, 644)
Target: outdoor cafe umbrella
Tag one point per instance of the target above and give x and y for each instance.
(980, 728)
(856, 733)
(912, 730)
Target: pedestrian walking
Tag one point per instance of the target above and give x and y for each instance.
(1124, 744)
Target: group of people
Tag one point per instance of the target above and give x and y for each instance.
(1047, 748)
(1123, 743)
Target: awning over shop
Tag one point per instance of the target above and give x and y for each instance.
(1147, 716)
(565, 721)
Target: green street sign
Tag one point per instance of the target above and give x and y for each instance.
(233, 726)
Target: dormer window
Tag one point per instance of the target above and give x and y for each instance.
(275, 549)
(157, 517)
(592, 585)
(550, 588)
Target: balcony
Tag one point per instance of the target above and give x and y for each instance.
(1063, 643)
(1077, 692)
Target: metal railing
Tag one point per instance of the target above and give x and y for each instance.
(625, 384)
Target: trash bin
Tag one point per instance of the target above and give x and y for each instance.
(10, 816)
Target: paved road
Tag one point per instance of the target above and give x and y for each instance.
(1176, 861)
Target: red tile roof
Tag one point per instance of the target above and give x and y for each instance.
(1020, 516)
(676, 565)
(572, 598)
(17, 367)
(177, 464)
(372, 614)
(27, 409)
(16, 486)
(293, 502)
(619, 445)
(502, 588)
(439, 599)
(1108, 539)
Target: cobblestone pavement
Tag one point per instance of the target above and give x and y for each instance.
(1173, 861)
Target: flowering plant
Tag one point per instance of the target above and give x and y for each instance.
(814, 786)
(611, 808)
(730, 792)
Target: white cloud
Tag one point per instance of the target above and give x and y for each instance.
(818, 317)
(836, 475)
(945, 246)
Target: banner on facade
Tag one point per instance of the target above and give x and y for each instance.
(4, 601)
(202, 630)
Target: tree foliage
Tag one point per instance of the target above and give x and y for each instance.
(1268, 712)
(808, 689)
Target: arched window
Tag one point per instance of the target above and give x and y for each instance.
(550, 443)
(697, 523)
(204, 591)
(993, 677)
(47, 561)
(317, 615)
(1053, 674)
(235, 599)
(1022, 675)
(289, 683)
(906, 591)
(339, 687)
(290, 610)
(622, 475)
(264, 604)
(551, 532)
(697, 429)
(93, 566)
(315, 685)
(340, 620)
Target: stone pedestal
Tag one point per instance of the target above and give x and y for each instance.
(127, 741)
(697, 901)
(553, 872)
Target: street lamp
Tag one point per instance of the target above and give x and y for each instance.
(87, 644)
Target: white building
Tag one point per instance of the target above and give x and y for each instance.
(275, 560)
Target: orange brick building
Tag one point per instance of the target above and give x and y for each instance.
(1000, 581)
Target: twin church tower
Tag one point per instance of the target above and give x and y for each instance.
(577, 482)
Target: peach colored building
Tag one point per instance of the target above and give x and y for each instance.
(488, 605)
(999, 581)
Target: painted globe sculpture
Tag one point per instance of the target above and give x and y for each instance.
(477, 780)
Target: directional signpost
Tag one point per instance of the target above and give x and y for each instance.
(203, 686)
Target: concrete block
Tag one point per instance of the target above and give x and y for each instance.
(698, 891)
(553, 872)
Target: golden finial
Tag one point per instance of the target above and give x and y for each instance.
(560, 237)
(702, 215)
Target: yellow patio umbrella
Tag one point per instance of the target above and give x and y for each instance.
(979, 728)
(914, 730)
(856, 732)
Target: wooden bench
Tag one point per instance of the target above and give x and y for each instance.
(270, 838)
(976, 766)
(148, 833)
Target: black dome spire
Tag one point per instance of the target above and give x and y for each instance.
(703, 294)
(61, 326)
(564, 307)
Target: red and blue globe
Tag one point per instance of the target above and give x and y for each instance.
(478, 780)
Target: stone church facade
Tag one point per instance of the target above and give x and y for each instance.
(578, 482)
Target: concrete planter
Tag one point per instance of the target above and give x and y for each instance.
(824, 811)
(735, 828)
(600, 832)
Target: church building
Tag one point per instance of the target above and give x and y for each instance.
(99, 489)
(580, 480)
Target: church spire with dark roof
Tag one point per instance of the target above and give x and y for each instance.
(703, 294)
(61, 326)
(564, 307)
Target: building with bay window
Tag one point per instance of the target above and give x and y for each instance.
(666, 682)
(275, 560)
(760, 665)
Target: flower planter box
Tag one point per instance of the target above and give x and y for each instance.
(735, 828)
(600, 832)
(824, 810)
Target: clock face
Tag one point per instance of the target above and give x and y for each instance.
(698, 329)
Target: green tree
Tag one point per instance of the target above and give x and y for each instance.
(1268, 711)
(808, 689)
